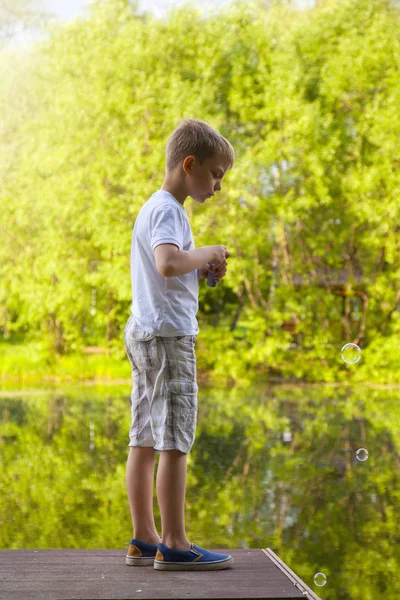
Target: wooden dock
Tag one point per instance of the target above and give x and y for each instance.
(103, 575)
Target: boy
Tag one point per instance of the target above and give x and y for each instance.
(160, 337)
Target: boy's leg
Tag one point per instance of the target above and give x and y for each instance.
(139, 483)
(171, 490)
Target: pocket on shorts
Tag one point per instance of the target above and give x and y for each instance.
(182, 405)
(141, 348)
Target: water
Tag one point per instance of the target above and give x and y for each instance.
(270, 468)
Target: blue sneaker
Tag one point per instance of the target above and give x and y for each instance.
(195, 559)
(140, 554)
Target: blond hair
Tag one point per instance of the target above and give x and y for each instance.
(193, 136)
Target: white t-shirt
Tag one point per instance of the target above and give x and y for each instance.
(166, 306)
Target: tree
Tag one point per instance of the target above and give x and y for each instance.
(17, 16)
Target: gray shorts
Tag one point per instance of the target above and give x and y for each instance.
(164, 392)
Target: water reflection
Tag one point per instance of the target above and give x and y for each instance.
(274, 467)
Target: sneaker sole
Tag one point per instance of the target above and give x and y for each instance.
(139, 562)
(161, 565)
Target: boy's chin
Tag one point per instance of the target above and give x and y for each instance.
(201, 198)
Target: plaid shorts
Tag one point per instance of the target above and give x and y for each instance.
(164, 392)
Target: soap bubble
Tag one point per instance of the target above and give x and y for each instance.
(319, 579)
(351, 353)
(287, 436)
(362, 454)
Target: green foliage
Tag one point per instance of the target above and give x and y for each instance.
(310, 212)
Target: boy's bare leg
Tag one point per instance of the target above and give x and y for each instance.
(171, 490)
(139, 484)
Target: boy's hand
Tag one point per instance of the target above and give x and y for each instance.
(219, 272)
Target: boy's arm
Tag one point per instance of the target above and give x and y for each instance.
(170, 261)
(183, 262)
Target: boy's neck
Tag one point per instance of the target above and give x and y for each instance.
(175, 190)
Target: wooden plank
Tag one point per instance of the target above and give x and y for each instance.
(102, 574)
(306, 591)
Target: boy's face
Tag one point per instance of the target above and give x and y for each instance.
(202, 181)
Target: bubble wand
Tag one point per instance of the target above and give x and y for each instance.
(211, 279)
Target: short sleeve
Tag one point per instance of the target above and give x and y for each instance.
(166, 226)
